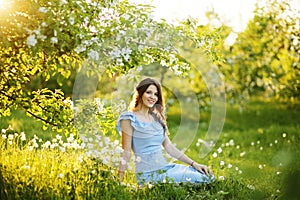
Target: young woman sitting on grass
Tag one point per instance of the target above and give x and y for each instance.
(144, 131)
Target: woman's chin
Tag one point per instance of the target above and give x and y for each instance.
(150, 105)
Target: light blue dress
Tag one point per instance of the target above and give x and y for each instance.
(150, 163)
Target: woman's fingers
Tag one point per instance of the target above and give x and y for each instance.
(204, 170)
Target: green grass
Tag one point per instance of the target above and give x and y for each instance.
(259, 160)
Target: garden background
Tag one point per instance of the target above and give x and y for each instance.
(68, 69)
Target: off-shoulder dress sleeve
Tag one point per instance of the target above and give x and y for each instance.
(142, 127)
(126, 116)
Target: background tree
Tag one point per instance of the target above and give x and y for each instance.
(265, 57)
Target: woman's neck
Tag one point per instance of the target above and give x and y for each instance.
(144, 110)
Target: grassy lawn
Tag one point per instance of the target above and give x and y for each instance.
(255, 157)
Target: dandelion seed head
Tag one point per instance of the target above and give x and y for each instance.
(242, 153)
(231, 142)
(251, 187)
(219, 150)
(222, 163)
(284, 135)
(261, 148)
(215, 155)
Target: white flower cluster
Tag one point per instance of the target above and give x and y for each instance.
(106, 16)
(12, 137)
(94, 146)
(102, 148)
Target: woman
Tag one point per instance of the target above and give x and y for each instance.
(144, 131)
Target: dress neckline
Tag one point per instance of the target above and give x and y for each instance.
(141, 120)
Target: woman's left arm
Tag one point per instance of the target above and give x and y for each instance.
(174, 152)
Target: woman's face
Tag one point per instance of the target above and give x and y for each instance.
(150, 96)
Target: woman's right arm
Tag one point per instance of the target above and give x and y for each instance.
(127, 131)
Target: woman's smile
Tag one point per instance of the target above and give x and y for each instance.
(150, 97)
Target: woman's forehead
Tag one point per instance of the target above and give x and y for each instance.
(152, 88)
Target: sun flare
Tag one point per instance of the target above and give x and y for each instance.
(5, 5)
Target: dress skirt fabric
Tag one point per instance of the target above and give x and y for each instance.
(174, 173)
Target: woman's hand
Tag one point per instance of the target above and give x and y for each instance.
(203, 169)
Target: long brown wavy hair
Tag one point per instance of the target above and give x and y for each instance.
(157, 111)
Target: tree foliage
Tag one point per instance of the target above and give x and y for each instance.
(265, 57)
(47, 39)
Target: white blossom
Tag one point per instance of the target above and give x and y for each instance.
(123, 162)
(215, 155)
(231, 142)
(62, 149)
(222, 163)
(64, 2)
(23, 136)
(219, 150)
(54, 40)
(251, 187)
(46, 144)
(138, 159)
(80, 48)
(10, 136)
(27, 167)
(72, 20)
(31, 41)
(43, 9)
(94, 55)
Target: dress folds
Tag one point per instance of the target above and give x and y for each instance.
(150, 163)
